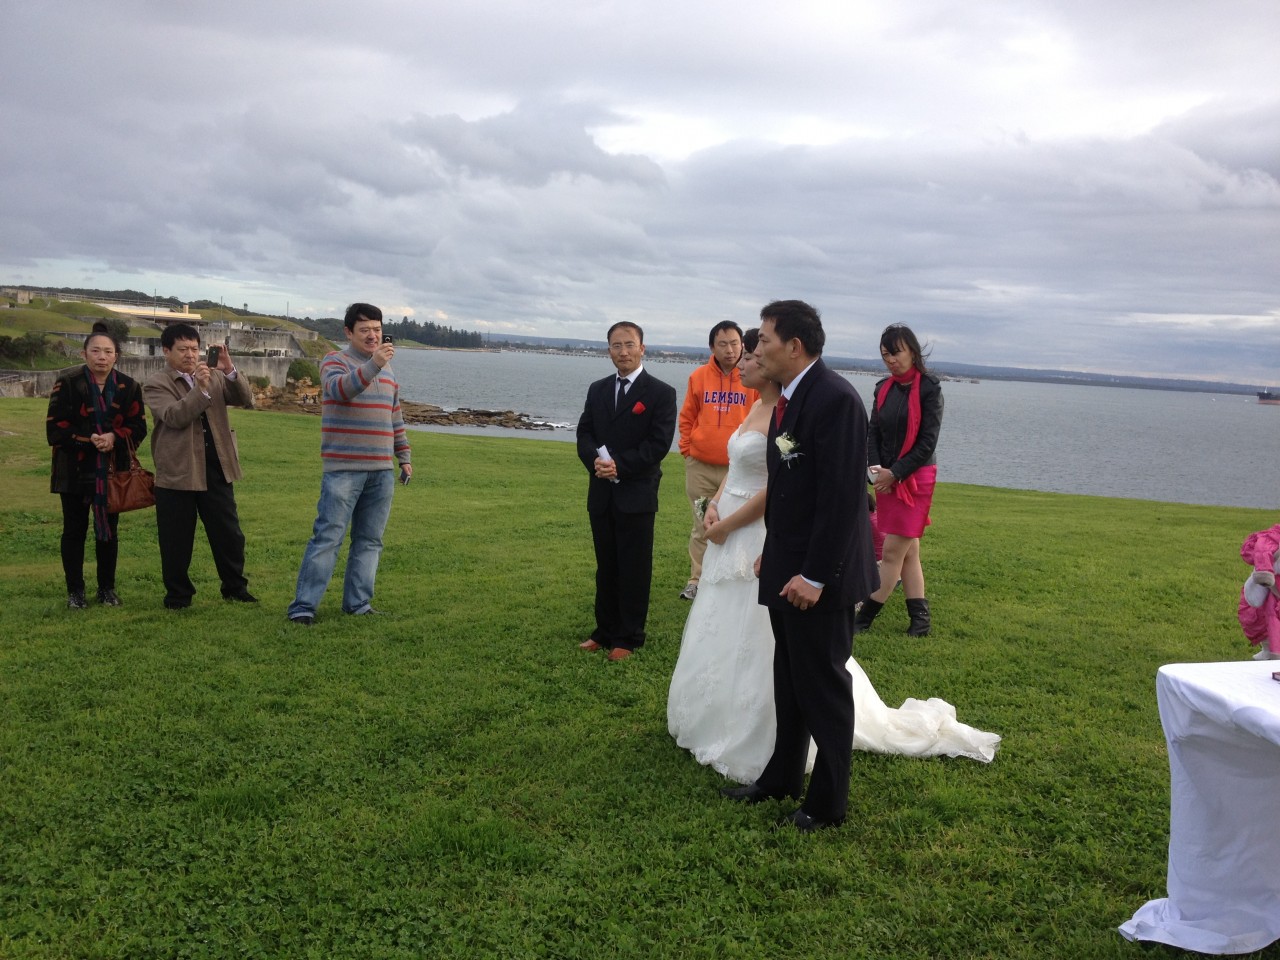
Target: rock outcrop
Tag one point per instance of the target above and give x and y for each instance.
(302, 397)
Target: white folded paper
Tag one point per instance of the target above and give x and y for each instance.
(603, 453)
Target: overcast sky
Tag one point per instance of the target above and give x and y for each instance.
(1082, 184)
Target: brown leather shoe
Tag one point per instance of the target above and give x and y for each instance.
(590, 646)
(619, 653)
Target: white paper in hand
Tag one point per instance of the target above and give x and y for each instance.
(603, 453)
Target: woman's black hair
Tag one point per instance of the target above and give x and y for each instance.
(100, 329)
(899, 335)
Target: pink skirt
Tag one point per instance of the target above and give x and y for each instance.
(896, 517)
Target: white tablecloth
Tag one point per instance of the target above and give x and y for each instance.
(1222, 722)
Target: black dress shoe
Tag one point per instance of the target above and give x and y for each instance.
(748, 793)
(240, 596)
(807, 824)
(176, 604)
(303, 621)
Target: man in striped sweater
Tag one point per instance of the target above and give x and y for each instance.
(362, 442)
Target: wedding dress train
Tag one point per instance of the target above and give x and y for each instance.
(720, 704)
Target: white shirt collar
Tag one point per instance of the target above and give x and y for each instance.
(791, 387)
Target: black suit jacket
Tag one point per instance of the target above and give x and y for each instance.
(638, 435)
(816, 505)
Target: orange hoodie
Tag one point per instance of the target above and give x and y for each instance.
(715, 405)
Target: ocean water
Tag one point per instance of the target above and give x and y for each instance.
(1214, 449)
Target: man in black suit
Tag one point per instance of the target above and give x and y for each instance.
(817, 563)
(625, 430)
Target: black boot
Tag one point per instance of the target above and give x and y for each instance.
(918, 610)
(866, 616)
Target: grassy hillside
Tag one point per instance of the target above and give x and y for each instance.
(456, 779)
(64, 317)
(58, 315)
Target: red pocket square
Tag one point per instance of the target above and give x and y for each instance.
(638, 408)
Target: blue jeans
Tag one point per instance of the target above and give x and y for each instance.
(363, 499)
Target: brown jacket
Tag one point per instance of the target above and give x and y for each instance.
(177, 438)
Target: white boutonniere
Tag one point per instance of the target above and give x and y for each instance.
(788, 447)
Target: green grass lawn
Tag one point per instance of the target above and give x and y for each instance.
(457, 779)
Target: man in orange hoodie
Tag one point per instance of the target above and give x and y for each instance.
(715, 405)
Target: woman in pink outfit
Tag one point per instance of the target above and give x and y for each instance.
(906, 418)
(1259, 609)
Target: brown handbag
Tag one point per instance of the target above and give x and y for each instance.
(132, 490)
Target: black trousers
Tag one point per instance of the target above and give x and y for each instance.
(813, 697)
(176, 512)
(76, 524)
(624, 571)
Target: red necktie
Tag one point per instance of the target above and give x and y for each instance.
(778, 410)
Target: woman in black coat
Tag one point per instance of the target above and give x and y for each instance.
(95, 413)
(906, 418)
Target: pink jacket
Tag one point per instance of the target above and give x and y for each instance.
(1261, 551)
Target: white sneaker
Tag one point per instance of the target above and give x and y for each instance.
(689, 592)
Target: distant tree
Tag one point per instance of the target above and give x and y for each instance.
(304, 368)
(430, 334)
(328, 327)
(118, 327)
(22, 349)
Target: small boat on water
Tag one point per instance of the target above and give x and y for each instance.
(1268, 396)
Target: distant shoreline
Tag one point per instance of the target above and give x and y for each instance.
(958, 372)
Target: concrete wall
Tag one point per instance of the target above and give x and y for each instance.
(242, 338)
(39, 383)
(273, 343)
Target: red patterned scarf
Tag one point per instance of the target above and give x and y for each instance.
(101, 400)
(905, 488)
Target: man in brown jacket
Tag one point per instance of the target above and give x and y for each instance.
(194, 449)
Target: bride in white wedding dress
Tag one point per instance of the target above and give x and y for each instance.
(720, 705)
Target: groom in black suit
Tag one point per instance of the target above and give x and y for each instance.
(817, 563)
(625, 430)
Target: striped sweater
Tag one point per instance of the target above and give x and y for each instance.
(361, 426)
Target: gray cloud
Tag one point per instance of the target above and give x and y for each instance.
(1078, 185)
(529, 145)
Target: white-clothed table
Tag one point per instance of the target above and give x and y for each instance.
(1222, 722)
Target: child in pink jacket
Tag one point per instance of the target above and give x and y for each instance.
(1259, 610)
